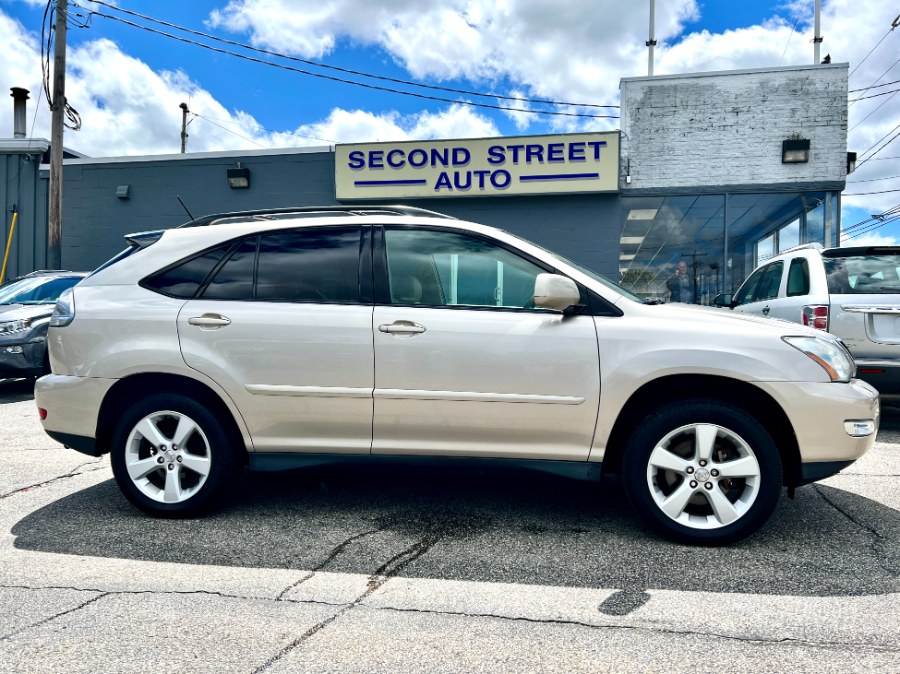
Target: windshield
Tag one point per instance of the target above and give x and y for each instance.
(36, 290)
(863, 274)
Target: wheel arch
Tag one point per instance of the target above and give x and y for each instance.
(129, 389)
(678, 388)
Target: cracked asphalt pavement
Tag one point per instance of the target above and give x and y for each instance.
(432, 570)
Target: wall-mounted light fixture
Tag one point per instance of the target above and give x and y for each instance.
(123, 191)
(795, 151)
(851, 162)
(238, 178)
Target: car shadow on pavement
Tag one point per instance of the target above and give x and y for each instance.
(487, 525)
(16, 390)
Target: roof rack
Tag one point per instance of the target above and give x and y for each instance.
(266, 213)
(815, 245)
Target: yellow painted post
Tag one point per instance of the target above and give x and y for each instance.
(12, 228)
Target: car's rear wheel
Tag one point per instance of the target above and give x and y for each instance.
(703, 471)
(171, 457)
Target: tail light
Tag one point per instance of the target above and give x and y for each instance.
(816, 316)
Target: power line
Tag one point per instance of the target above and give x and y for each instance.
(894, 24)
(880, 76)
(871, 180)
(862, 194)
(873, 111)
(214, 121)
(793, 29)
(883, 93)
(519, 99)
(874, 86)
(892, 139)
(875, 217)
(868, 230)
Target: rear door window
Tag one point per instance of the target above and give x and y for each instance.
(798, 277)
(299, 265)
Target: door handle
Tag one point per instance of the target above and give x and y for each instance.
(401, 328)
(765, 310)
(211, 321)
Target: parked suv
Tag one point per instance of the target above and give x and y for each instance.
(853, 293)
(25, 307)
(282, 339)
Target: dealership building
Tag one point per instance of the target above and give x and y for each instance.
(719, 170)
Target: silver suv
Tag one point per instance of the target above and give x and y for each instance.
(282, 339)
(853, 293)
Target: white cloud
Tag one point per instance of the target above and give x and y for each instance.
(871, 239)
(129, 109)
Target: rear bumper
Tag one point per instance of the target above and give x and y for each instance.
(884, 375)
(72, 405)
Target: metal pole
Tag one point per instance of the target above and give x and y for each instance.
(817, 38)
(54, 218)
(184, 135)
(651, 43)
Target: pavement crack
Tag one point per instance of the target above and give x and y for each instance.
(382, 574)
(44, 621)
(75, 472)
(642, 628)
(335, 551)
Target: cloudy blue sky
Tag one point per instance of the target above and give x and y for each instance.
(126, 82)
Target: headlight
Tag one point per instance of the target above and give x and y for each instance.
(833, 357)
(64, 311)
(14, 326)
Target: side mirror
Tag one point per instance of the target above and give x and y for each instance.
(723, 300)
(552, 291)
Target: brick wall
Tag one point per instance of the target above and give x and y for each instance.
(710, 131)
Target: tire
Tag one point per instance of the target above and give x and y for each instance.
(702, 472)
(159, 476)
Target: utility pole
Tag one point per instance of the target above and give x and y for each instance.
(651, 43)
(54, 219)
(184, 135)
(817, 36)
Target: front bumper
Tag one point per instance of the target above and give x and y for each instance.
(818, 411)
(22, 357)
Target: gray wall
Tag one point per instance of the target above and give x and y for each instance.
(723, 131)
(95, 220)
(23, 188)
(582, 227)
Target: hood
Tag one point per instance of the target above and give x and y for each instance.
(701, 316)
(19, 312)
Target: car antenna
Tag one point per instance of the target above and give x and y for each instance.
(186, 210)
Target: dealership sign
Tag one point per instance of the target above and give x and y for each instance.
(562, 164)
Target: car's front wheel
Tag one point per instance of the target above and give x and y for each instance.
(171, 457)
(702, 471)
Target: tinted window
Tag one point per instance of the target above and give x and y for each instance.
(450, 269)
(748, 290)
(863, 274)
(798, 277)
(771, 281)
(234, 280)
(309, 265)
(184, 279)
